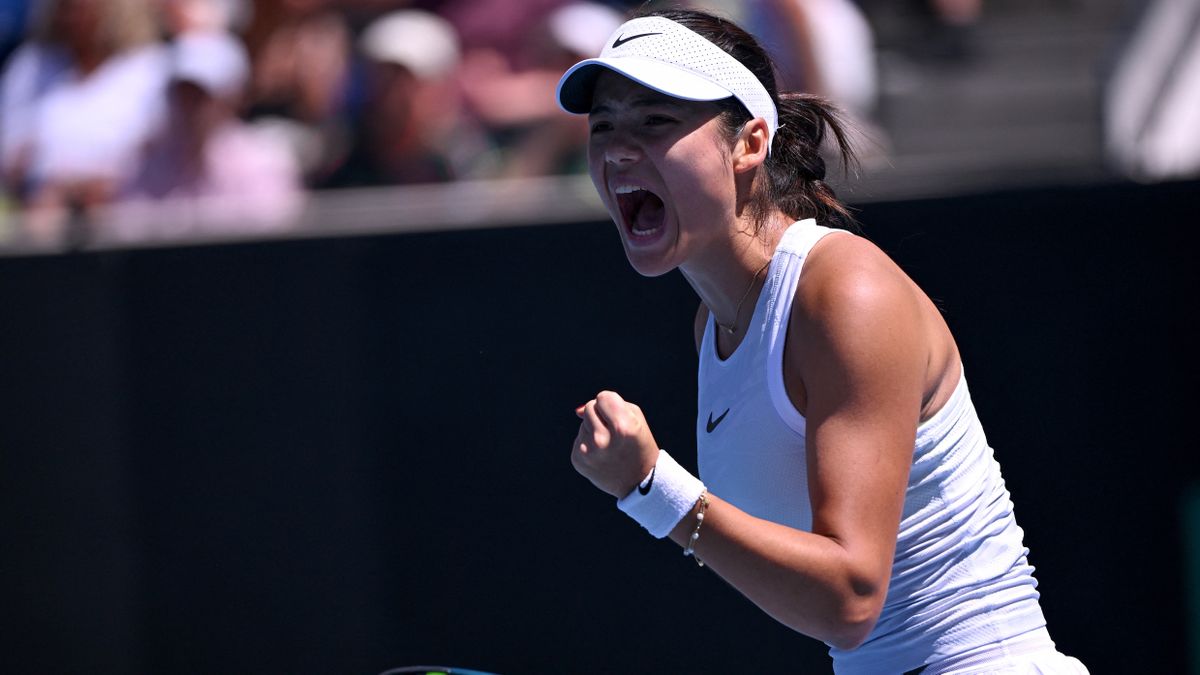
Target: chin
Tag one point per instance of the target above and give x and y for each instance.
(650, 256)
(648, 265)
(649, 272)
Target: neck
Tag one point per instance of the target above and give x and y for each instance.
(728, 282)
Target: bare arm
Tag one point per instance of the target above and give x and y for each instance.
(856, 357)
(855, 352)
(798, 20)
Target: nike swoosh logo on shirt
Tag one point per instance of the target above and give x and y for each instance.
(712, 424)
(622, 40)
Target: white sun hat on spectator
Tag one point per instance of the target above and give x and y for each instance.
(421, 41)
(215, 61)
(672, 59)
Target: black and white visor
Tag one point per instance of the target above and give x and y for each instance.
(669, 58)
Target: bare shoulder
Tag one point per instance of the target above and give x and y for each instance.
(856, 311)
(848, 275)
(701, 321)
(856, 317)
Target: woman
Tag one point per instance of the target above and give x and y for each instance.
(102, 57)
(848, 489)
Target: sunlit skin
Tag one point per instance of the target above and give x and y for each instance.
(676, 150)
(867, 358)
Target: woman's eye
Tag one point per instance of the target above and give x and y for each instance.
(597, 127)
(656, 120)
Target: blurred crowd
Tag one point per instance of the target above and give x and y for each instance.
(150, 118)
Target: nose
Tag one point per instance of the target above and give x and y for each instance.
(621, 150)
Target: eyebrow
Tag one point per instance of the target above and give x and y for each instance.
(642, 102)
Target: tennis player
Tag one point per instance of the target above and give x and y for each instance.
(846, 486)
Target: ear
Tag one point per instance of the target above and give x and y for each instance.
(751, 146)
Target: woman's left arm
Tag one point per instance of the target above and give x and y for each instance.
(855, 364)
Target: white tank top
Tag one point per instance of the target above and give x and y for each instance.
(960, 580)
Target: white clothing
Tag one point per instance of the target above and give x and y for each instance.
(960, 579)
(1152, 120)
(70, 127)
(248, 180)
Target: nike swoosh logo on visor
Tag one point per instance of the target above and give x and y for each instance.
(622, 40)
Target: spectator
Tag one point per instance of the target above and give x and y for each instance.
(77, 103)
(827, 48)
(209, 171)
(499, 27)
(301, 61)
(513, 96)
(183, 16)
(411, 129)
(823, 47)
(1152, 98)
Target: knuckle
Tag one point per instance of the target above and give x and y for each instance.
(626, 424)
(620, 427)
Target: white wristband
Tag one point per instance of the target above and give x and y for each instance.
(663, 499)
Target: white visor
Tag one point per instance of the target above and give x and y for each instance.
(669, 58)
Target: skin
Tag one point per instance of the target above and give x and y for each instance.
(867, 359)
(79, 21)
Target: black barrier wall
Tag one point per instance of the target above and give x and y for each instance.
(346, 455)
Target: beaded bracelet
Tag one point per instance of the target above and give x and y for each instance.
(691, 547)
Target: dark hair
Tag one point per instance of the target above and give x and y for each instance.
(795, 170)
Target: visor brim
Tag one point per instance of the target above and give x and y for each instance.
(575, 87)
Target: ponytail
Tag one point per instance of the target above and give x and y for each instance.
(794, 177)
(795, 170)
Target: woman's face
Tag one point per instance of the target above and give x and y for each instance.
(78, 21)
(663, 170)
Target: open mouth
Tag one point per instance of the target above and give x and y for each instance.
(641, 209)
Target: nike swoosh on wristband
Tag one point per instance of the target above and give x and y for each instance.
(645, 489)
(712, 424)
(622, 40)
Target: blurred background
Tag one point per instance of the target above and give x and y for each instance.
(297, 296)
(135, 121)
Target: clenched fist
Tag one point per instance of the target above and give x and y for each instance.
(614, 449)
